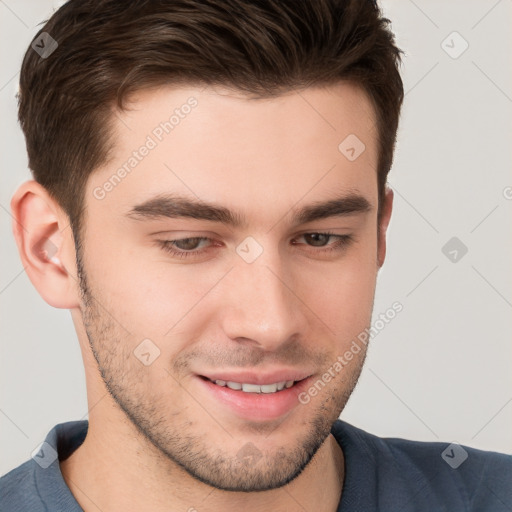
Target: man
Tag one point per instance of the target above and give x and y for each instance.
(210, 202)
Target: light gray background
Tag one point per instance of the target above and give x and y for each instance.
(441, 370)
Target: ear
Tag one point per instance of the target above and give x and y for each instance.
(46, 246)
(387, 207)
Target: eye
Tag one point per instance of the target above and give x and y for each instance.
(191, 247)
(321, 240)
(317, 239)
(183, 247)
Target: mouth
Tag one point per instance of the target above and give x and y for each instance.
(263, 398)
(246, 387)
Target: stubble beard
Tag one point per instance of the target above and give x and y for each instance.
(176, 437)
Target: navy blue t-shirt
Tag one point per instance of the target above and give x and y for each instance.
(381, 474)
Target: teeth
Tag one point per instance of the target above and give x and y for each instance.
(255, 388)
(251, 388)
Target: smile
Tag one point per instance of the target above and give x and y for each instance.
(255, 388)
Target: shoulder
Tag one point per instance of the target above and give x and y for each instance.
(37, 484)
(18, 489)
(439, 473)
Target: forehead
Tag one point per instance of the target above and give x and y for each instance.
(219, 145)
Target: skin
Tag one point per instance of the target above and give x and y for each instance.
(156, 440)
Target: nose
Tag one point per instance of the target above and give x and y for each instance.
(262, 305)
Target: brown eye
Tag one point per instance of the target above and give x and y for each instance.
(317, 239)
(321, 240)
(188, 244)
(193, 247)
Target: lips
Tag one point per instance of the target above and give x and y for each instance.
(254, 396)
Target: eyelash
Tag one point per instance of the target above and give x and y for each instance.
(342, 242)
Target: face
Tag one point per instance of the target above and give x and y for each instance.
(237, 250)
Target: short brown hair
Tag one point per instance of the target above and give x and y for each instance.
(108, 49)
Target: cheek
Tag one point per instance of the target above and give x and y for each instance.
(342, 292)
(154, 298)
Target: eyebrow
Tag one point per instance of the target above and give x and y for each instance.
(175, 206)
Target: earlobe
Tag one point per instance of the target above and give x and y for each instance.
(387, 208)
(45, 245)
